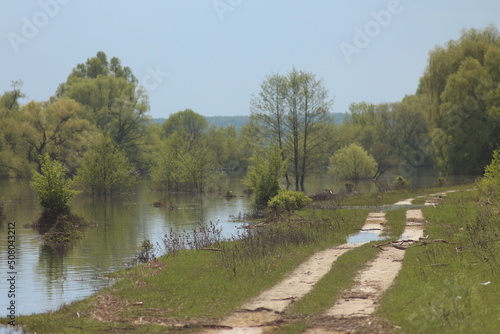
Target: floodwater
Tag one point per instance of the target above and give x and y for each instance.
(45, 279)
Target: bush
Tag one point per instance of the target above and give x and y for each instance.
(53, 186)
(401, 183)
(352, 163)
(441, 182)
(489, 185)
(288, 201)
(264, 174)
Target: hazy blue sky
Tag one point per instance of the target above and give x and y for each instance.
(217, 53)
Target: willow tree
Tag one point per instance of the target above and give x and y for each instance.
(105, 169)
(463, 82)
(112, 100)
(292, 112)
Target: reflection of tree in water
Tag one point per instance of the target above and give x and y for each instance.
(51, 267)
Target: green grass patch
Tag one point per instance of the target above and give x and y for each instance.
(396, 222)
(450, 287)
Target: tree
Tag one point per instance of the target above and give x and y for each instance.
(105, 168)
(52, 185)
(292, 112)
(393, 133)
(462, 80)
(13, 152)
(264, 173)
(183, 165)
(55, 129)
(112, 101)
(352, 163)
(190, 124)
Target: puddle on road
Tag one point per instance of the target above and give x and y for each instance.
(363, 237)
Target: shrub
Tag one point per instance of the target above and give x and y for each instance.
(52, 185)
(441, 182)
(401, 183)
(489, 185)
(264, 174)
(288, 201)
(353, 163)
(145, 252)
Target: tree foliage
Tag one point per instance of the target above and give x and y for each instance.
(489, 184)
(111, 100)
(287, 201)
(353, 163)
(186, 160)
(264, 174)
(463, 82)
(292, 112)
(53, 186)
(393, 133)
(105, 169)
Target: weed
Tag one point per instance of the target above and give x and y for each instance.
(201, 237)
(146, 252)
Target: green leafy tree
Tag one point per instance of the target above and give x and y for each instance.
(462, 81)
(292, 112)
(393, 133)
(264, 174)
(52, 186)
(105, 168)
(353, 163)
(187, 122)
(112, 100)
(57, 129)
(13, 151)
(182, 164)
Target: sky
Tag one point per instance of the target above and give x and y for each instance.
(211, 56)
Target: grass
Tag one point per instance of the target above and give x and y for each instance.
(200, 286)
(391, 197)
(450, 288)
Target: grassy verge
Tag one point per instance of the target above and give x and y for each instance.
(196, 287)
(391, 197)
(450, 287)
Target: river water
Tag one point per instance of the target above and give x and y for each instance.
(46, 279)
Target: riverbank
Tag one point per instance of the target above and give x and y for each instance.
(193, 290)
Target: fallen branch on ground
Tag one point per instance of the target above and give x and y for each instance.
(405, 243)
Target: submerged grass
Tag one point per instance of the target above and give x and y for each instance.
(450, 287)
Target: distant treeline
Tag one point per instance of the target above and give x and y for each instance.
(240, 121)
